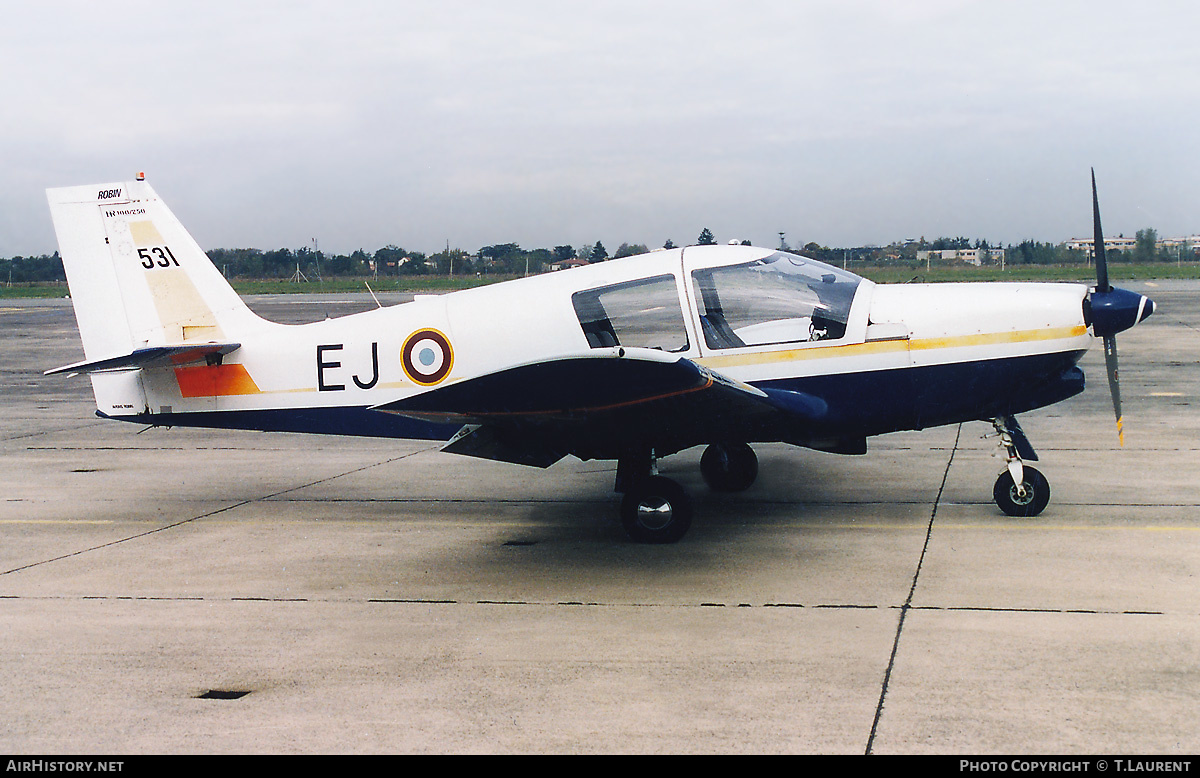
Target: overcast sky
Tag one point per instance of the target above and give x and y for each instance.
(363, 124)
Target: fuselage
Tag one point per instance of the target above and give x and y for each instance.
(884, 357)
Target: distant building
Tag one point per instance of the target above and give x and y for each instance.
(968, 256)
(1189, 243)
(567, 264)
(1110, 244)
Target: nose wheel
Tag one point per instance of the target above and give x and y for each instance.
(1028, 498)
(1020, 490)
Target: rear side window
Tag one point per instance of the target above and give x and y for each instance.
(645, 313)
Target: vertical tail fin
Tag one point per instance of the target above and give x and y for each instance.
(137, 278)
(145, 294)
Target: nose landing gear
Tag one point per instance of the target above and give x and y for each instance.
(1020, 490)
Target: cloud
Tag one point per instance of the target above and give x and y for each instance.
(546, 123)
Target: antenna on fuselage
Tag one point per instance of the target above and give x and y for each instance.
(372, 291)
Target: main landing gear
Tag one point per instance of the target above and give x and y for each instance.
(655, 509)
(1020, 490)
(729, 467)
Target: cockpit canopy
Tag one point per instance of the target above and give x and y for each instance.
(781, 298)
(774, 299)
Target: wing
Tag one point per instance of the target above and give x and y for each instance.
(596, 405)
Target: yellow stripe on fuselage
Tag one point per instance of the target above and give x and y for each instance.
(892, 346)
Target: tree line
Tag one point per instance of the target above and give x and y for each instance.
(509, 258)
(391, 260)
(1145, 249)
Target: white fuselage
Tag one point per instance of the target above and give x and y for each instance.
(357, 361)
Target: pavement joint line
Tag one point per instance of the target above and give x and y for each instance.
(234, 506)
(1183, 323)
(887, 676)
(451, 500)
(51, 432)
(256, 449)
(148, 448)
(1001, 609)
(738, 605)
(750, 501)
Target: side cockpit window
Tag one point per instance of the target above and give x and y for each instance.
(645, 313)
(782, 298)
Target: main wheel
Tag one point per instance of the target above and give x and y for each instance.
(729, 467)
(656, 510)
(1030, 500)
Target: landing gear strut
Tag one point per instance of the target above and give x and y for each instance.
(655, 509)
(1020, 490)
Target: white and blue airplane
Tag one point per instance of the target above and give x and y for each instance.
(627, 360)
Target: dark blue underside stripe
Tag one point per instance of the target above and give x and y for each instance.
(870, 403)
(356, 421)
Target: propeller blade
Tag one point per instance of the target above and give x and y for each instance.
(1114, 386)
(1102, 284)
(1105, 295)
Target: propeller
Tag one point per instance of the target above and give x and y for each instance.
(1112, 311)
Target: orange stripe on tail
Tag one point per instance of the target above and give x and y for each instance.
(215, 381)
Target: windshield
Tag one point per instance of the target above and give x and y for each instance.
(782, 298)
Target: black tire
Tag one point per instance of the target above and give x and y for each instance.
(1031, 503)
(656, 510)
(729, 467)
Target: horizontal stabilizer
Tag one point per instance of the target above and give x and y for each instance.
(153, 356)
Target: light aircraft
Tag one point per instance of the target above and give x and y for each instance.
(627, 360)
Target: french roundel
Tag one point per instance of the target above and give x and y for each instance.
(427, 357)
